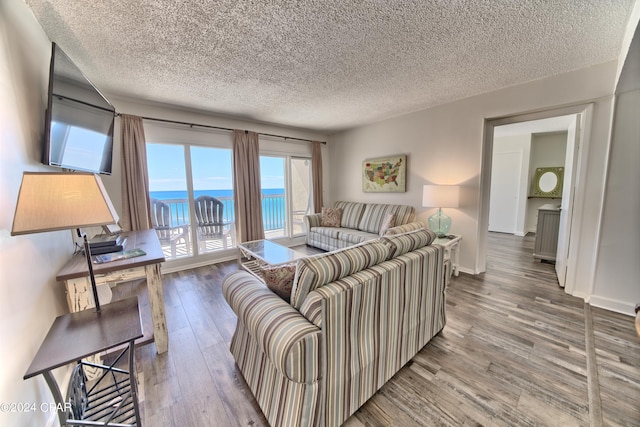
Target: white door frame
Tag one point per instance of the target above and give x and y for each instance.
(585, 114)
(566, 207)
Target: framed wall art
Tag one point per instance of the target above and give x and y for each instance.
(385, 174)
(547, 182)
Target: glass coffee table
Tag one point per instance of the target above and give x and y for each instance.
(254, 255)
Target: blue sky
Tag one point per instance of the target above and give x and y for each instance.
(212, 168)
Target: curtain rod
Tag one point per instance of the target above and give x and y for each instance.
(223, 128)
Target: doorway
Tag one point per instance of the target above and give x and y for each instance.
(548, 121)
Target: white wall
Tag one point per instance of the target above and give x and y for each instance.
(617, 282)
(30, 297)
(444, 145)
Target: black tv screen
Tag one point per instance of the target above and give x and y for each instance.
(78, 121)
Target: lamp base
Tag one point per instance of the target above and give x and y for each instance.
(440, 223)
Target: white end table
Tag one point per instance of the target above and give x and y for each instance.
(451, 250)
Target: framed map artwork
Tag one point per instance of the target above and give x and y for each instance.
(384, 175)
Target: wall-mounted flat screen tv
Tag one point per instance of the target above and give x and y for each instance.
(78, 121)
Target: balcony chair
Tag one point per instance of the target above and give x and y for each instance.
(210, 223)
(168, 234)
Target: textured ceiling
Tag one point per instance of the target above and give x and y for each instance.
(327, 65)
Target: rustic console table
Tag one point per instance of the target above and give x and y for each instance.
(75, 275)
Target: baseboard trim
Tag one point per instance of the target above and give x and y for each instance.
(622, 307)
(467, 271)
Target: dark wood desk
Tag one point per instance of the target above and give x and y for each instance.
(75, 275)
(75, 336)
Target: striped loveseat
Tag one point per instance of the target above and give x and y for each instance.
(359, 222)
(356, 316)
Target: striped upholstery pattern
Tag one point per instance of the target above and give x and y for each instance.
(283, 402)
(331, 232)
(312, 220)
(374, 322)
(360, 222)
(402, 243)
(362, 320)
(375, 213)
(328, 243)
(321, 269)
(399, 229)
(351, 213)
(353, 237)
(288, 339)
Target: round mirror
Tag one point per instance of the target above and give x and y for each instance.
(548, 182)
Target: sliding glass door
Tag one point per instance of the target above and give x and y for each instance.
(168, 194)
(191, 192)
(213, 204)
(286, 194)
(301, 193)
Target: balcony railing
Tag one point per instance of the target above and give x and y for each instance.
(273, 211)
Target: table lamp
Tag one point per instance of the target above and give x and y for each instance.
(50, 201)
(440, 196)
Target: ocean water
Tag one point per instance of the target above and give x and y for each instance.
(164, 195)
(273, 206)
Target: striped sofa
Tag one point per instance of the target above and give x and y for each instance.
(356, 316)
(360, 222)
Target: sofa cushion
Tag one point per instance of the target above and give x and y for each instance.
(400, 244)
(327, 231)
(405, 214)
(354, 237)
(280, 279)
(316, 271)
(375, 213)
(351, 213)
(331, 217)
(388, 222)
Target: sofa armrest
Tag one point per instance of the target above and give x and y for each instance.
(312, 220)
(399, 229)
(288, 339)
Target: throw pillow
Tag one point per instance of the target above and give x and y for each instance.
(280, 279)
(331, 217)
(388, 222)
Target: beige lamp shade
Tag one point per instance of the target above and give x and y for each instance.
(441, 196)
(61, 201)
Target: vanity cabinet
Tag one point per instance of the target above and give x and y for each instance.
(547, 233)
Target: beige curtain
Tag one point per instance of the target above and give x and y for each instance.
(316, 173)
(246, 180)
(135, 179)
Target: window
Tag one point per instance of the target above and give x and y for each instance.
(188, 164)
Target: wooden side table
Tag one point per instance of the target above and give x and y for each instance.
(75, 275)
(451, 250)
(111, 400)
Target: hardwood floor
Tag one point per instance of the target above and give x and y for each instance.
(513, 352)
